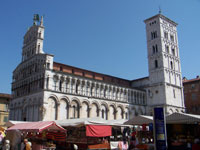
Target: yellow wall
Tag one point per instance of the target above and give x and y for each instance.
(4, 112)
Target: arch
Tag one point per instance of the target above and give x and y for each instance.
(104, 110)
(95, 102)
(77, 100)
(64, 108)
(54, 97)
(120, 112)
(75, 108)
(127, 113)
(171, 111)
(65, 98)
(85, 101)
(85, 109)
(105, 104)
(114, 105)
(52, 108)
(121, 106)
(112, 112)
(94, 110)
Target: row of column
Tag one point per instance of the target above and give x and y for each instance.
(95, 89)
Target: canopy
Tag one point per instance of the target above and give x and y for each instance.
(36, 126)
(181, 118)
(98, 130)
(89, 121)
(139, 120)
(12, 122)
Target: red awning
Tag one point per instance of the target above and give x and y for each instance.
(36, 126)
(98, 130)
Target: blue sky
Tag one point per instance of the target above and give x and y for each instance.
(105, 36)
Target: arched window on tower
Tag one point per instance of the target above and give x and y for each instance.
(173, 51)
(38, 48)
(171, 63)
(156, 48)
(39, 35)
(153, 47)
(167, 48)
(156, 63)
(47, 83)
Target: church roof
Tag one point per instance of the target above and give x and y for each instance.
(90, 74)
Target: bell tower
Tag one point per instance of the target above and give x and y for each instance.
(33, 39)
(165, 78)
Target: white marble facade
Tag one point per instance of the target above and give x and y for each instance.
(42, 92)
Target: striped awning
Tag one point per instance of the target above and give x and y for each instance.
(37, 126)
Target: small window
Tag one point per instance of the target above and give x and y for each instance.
(48, 65)
(153, 35)
(6, 107)
(173, 51)
(167, 48)
(174, 92)
(38, 48)
(156, 91)
(154, 50)
(39, 35)
(172, 38)
(5, 119)
(193, 86)
(166, 35)
(156, 64)
(171, 63)
(194, 96)
(60, 85)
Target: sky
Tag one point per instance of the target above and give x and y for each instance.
(104, 36)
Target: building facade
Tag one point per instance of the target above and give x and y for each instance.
(4, 111)
(164, 84)
(46, 90)
(192, 95)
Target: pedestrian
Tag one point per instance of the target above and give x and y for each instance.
(27, 145)
(132, 143)
(6, 145)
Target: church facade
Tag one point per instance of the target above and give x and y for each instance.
(46, 90)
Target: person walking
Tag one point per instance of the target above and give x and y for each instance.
(27, 145)
(6, 145)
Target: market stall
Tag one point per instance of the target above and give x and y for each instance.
(142, 133)
(140, 120)
(183, 130)
(42, 134)
(95, 133)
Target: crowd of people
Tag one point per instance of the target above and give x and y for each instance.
(24, 145)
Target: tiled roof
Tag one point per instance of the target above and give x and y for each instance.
(191, 80)
(4, 95)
